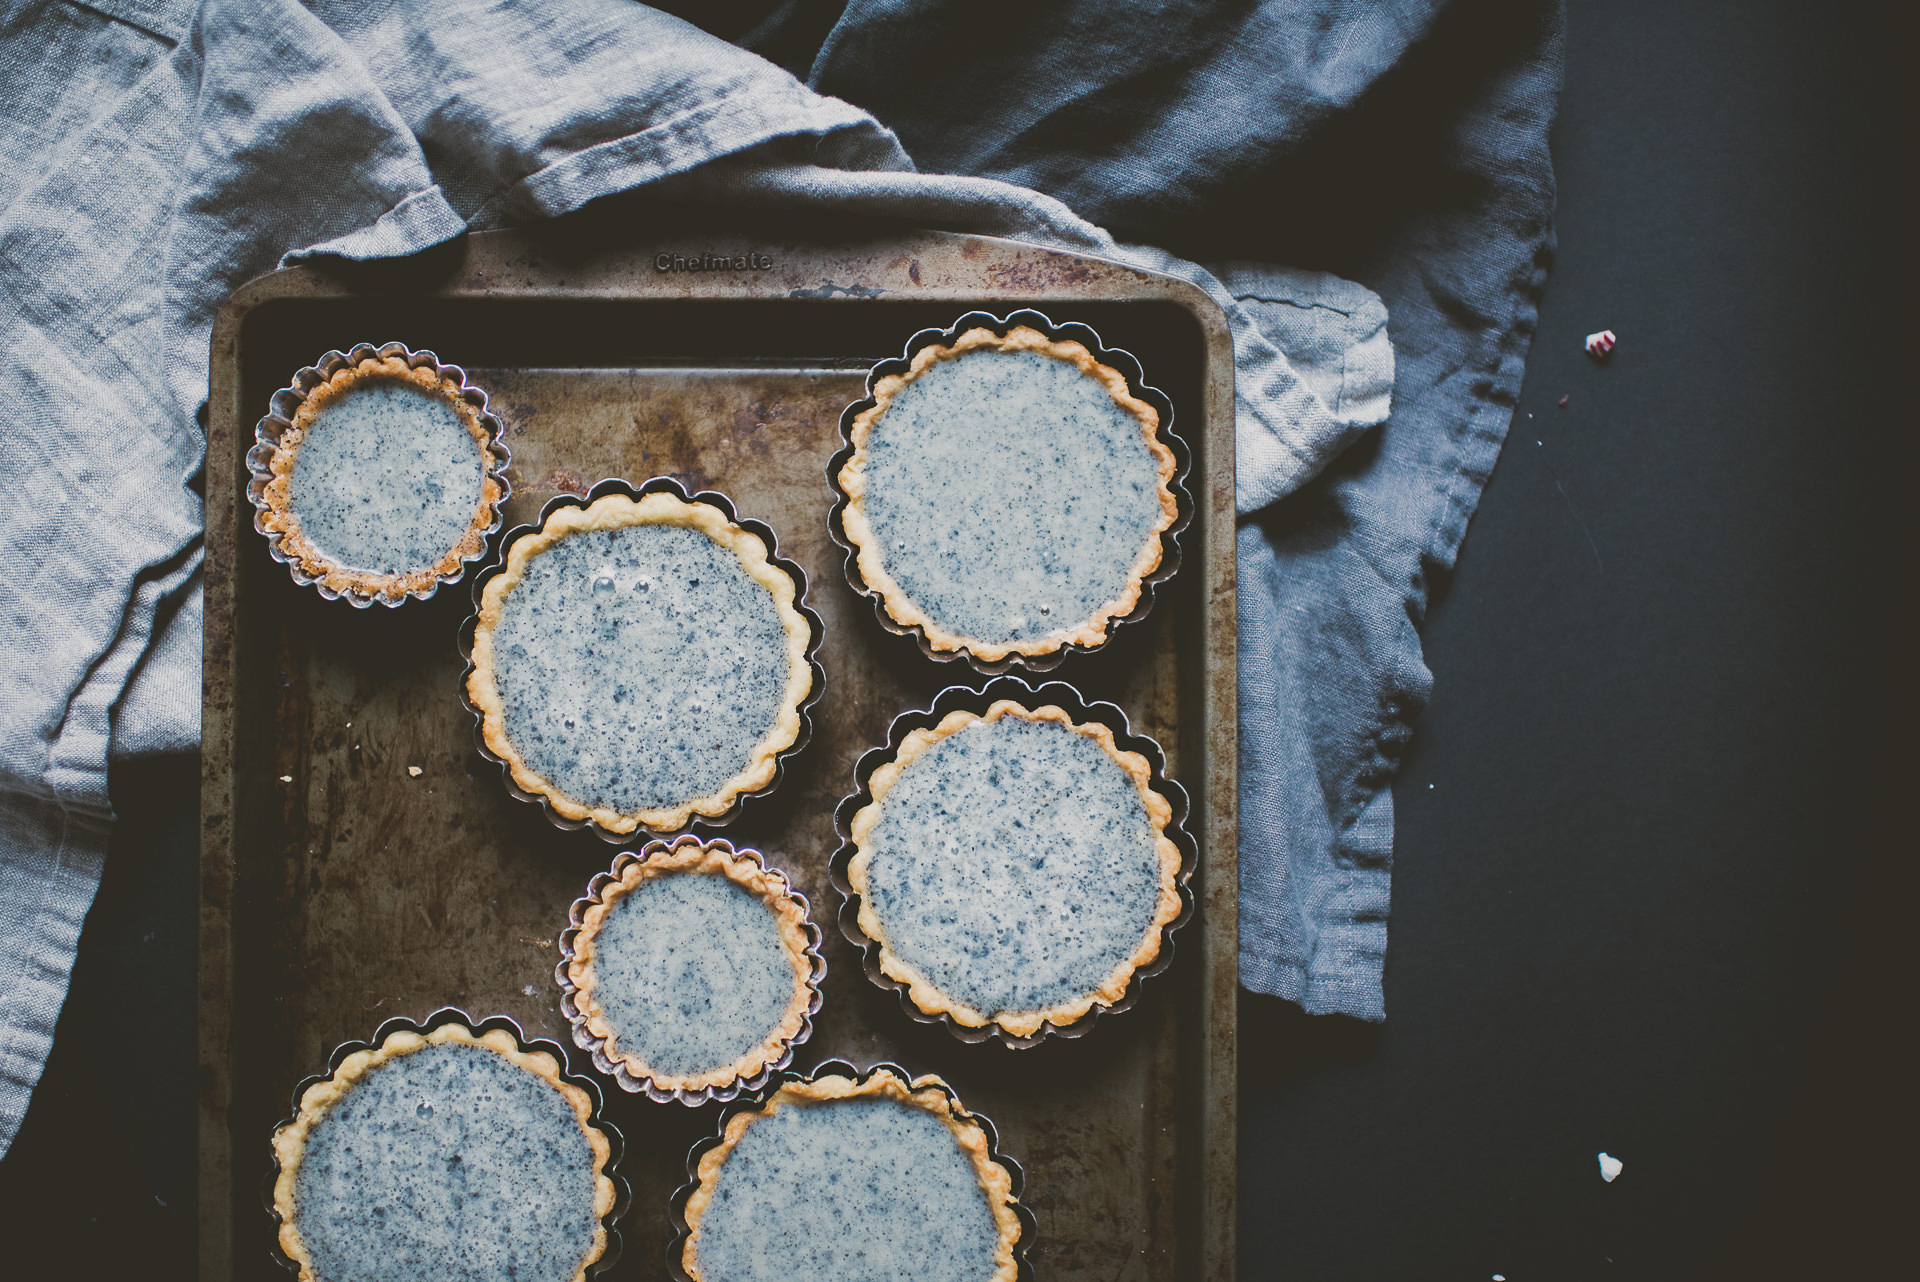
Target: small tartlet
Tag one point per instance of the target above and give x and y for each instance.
(611, 507)
(875, 569)
(1147, 870)
(357, 1063)
(291, 420)
(581, 982)
(997, 1177)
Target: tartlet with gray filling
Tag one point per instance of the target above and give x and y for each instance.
(443, 1154)
(1006, 494)
(859, 1180)
(1014, 867)
(384, 483)
(693, 969)
(638, 662)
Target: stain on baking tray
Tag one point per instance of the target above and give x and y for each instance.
(750, 423)
(563, 480)
(514, 415)
(671, 437)
(827, 289)
(1038, 275)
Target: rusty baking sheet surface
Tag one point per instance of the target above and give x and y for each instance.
(339, 888)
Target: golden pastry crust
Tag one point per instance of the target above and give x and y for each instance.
(691, 857)
(920, 989)
(277, 516)
(617, 511)
(872, 556)
(927, 1092)
(290, 1140)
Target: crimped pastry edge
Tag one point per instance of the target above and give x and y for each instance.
(926, 1092)
(871, 557)
(618, 511)
(278, 517)
(290, 1139)
(924, 994)
(691, 856)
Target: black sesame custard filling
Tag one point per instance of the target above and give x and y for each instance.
(1010, 491)
(641, 659)
(862, 1177)
(1014, 862)
(446, 1149)
(690, 971)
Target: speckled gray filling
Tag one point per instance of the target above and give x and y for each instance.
(447, 1163)
(387, 479)
(1010, 494)
(690, 972)
(1014, 865)
(639, 667)
(860, 1190)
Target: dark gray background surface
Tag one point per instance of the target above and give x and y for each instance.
(1645, 889)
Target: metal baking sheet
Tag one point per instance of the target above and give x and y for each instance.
(339, 889)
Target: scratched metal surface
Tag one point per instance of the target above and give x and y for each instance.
(340, 889)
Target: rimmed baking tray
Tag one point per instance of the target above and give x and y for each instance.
(339, 887)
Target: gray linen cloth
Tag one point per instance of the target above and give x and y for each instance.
(1402, 144)
(160, 152)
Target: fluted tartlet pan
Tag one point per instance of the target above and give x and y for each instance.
(596, 1046)
(1116, 358)
(677, 1207)
(286, 403)
(616, 1143)
(724, 505)
(978, 701)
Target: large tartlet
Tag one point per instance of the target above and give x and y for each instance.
(384, 477)
(1006, 494)
(639, 661)
(859, 1179)
(1014, 868)
(692, 969)
(444, 1153)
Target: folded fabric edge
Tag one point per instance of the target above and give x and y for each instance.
(710, 135)
(66, 833)
(70, 844)
(418, 222)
